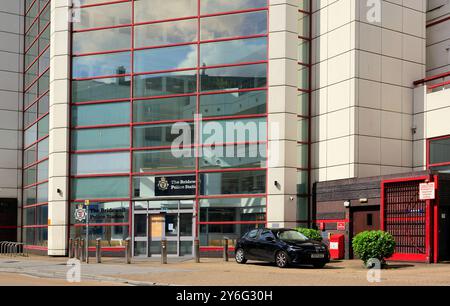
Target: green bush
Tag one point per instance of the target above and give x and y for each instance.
(373, 244)
(310, 233)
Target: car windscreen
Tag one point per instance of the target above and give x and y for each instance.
(292, 236)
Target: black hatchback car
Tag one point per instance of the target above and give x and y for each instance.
(282, 246)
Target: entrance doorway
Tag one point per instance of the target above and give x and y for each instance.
(170, 220)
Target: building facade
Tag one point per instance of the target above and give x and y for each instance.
(202, 119)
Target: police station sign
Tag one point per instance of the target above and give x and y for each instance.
(175, 186)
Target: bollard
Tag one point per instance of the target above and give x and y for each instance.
(82, 250)
(197, 250)
(76, 244)
(163, 251)
(98, 250)
(71, 248)
(225, 250)
(128, 250)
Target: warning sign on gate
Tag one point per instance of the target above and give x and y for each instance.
(427, 191)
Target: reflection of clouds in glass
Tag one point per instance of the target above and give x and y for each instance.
(166, 58)
(103, 40)
(239, 71)
(166, 33)
(233, 25)
(98, 65)
(148, 10)
(105, 15)
(214, 6)
(235, 51)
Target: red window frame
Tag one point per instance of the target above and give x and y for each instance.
(197, 94)
(429, 164)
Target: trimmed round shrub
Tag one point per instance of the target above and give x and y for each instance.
(310, 233)
(373, 245)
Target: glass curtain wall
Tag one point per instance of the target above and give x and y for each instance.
(141, 67)
(35, 122)
(304, 116)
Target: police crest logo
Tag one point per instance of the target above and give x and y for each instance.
(80, 213)
(163, 184)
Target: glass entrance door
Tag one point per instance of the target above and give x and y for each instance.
(174, 223)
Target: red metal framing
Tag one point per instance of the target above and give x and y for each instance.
(308, 91)
(131, 99)
(431, 223)
(41, 29)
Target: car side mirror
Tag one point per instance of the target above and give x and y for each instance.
(270, 239)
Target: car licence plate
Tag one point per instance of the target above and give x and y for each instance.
(317, 255)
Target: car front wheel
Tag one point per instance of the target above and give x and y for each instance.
(240, 256)
(282, 259)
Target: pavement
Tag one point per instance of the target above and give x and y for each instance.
(40, 270)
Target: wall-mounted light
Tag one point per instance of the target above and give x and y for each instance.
(59, 191)
(363, 200)
(347, 204)
(277, 184)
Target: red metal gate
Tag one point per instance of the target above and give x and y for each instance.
(407, 218)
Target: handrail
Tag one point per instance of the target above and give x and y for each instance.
(432, 78)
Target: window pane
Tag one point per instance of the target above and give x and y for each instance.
(245, 24)
(440, 151)
(213, 234)
(238, 130)
(239, 156)
(165, 84)
(111, 236)
(149, 10)
(165, 58)
(104, 212)
(161, 135)
(234, 78)
(42, 149)
(42, 193)
(244, 182)
(104, 16)
(43, 127)
(165, 33)
(30, 155)
(30, 115)
(233, 104)
(241, 209)
(164, 109)
(302, 182)
(100, 188)
(30, 135)
(214, 6)
(234, 51)
(163, 160)
(29, 196)
(29, 176)
(102, 40)
(101, 65)
(42, 171)
(101, 89)
(100, 163)
(144, 187)
(97, 114)
(42, 215)
(97, 139)
(302, 208)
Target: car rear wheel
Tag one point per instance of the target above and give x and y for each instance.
(319, 265)
(282, 259)
(240, 256)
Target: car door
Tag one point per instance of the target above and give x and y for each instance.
(250, 244)
(266, 245)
